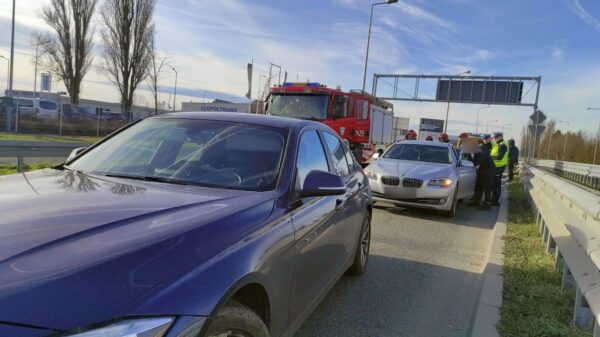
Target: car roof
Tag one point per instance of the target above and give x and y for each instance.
(240, 117)
(425, 142)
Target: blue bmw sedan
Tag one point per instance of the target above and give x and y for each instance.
(183, 225)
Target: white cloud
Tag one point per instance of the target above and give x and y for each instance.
(576, 7)
(557, 52)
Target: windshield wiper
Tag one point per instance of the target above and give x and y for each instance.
(67, 167)
(151, 178)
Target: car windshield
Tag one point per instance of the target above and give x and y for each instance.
(194, 152)
(311, 107)
(419, 152)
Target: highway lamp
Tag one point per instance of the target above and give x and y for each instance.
(478, 109)
(369, 38)
(487, 124)
(175, 93)
(566, 137)
(448, 107)
(12, 51)
(597, 138)
(7, 70)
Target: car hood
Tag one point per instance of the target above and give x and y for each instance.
(77, 249)
(410, 169)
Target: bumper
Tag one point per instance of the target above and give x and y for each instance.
(437, 198)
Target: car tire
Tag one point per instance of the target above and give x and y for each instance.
(452, 211)
(236, 320)
(362, 248)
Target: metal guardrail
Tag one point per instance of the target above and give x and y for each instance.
(569, 219)
(585, 174)
(25, 149)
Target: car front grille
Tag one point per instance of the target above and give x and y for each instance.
(411, 182)
(390, 180)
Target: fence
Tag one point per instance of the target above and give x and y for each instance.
(24, 149)
(585, 174)
(569, 219)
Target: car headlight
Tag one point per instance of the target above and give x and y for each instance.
(149, 327)
(371, 175)
(442, 182)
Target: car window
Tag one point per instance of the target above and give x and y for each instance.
(419, 152)
(351, 161)
(311, 156)
(337, 153)
(196, 152)
(48, 105)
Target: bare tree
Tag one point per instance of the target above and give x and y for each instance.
(128, 31)
(66, 52)
(158, 61)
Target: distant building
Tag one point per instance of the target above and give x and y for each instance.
(214, 106)
(137, 111)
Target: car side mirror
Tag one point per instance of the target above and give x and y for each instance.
(375, 156)
(75, 152)
(466, 163)
(320, 183)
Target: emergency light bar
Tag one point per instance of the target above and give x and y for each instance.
(302, 84)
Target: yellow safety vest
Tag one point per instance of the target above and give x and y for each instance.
(502, 161)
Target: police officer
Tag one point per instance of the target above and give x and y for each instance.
(487, 141)
(411, 135)
(499, 154)
(513, 158)
(484, 164)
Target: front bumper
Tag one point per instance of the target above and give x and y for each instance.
(430, 197)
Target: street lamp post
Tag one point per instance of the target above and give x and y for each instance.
(448, 106)
(175, 93)
(479, 109)
(566, 138)
(369, 39)
(487, 124)
(597, 138)
(12, 51)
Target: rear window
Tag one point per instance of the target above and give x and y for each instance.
(48, 105)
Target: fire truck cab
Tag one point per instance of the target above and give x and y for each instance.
(364, 121)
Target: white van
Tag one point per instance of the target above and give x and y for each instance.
(40, 108)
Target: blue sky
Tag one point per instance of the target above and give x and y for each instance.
(211, 42)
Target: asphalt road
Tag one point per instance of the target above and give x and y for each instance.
(423, 277)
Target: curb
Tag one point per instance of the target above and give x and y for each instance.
(487, 314)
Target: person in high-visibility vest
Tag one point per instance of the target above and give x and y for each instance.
(500, 156)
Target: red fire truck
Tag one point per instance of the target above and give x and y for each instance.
(363, 120)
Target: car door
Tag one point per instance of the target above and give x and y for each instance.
(354, 203)
(467, 175)
(320, 254)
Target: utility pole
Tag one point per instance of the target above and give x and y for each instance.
(175, 94)
(597, 138)
(37, 45)
(566, 138)
(448, 107)
(12, 51)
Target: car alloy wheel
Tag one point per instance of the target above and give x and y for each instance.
(365, 243)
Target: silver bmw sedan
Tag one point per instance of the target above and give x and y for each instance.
(423, 174)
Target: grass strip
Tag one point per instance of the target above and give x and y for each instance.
(533, 304)
(47, 138)
(11, 169)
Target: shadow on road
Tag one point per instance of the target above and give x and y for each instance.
(465, 215)
(397, 298)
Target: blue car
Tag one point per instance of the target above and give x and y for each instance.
(183, 225)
